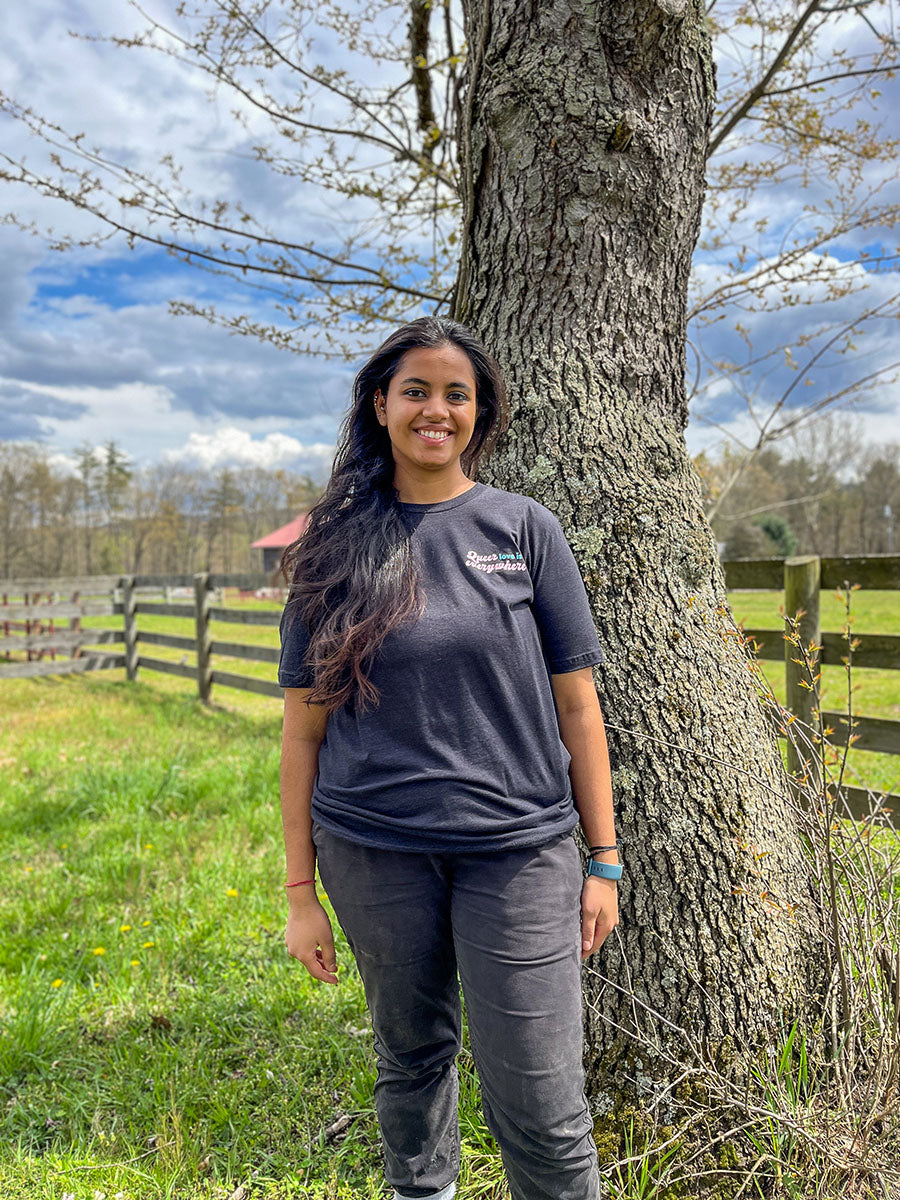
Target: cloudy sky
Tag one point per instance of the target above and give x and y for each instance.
(89, 350)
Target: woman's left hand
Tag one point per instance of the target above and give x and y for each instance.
(599, 912)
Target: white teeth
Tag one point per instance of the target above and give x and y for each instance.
(433, 434)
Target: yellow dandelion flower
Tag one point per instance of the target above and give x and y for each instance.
(124, 928)
(56, 983)
(147, 945)
(145, 922)
(148, 845)
(29, 868)
(99, 950)
(231, 892)
(135, 963)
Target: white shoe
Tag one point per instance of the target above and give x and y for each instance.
(446, 1193)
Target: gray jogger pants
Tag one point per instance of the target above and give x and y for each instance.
(509, 922)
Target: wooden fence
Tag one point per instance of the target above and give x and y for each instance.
(30, 625)
(803, 579)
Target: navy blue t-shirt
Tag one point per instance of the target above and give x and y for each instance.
(464, 752)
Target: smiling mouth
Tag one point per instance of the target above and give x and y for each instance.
(434, 441)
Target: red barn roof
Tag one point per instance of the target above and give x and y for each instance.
(282, 537)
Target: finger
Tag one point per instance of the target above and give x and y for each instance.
(328, 955)
(318, 970)
(324, 963)
(588, 948)
(588, 926)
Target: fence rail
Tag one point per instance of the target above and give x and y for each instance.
(801, 578)
(70, 666)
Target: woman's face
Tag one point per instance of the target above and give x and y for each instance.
(432, 389)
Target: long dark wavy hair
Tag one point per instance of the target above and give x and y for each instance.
(352, 575)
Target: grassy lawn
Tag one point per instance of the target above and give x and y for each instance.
(157, 1040)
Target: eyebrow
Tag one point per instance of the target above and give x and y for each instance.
(413, 379)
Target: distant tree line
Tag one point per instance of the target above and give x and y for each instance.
(825, 491)
(111, 517)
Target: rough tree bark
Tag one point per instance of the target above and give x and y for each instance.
(584, 143)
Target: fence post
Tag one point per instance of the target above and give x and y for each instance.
(75, 625)
(27, 598)
(129, 601)
(201, 611)
(802, 580)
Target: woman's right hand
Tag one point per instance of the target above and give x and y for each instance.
(308, 938)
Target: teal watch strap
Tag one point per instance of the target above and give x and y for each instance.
(605, 870)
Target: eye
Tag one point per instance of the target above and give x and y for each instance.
(463, 398)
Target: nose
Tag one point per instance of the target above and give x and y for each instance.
(435, 408)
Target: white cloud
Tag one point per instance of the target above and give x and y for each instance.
(233, 445)
(879, 428)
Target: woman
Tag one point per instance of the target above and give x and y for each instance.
(441, 727)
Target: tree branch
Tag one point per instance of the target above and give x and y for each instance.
(750, 99)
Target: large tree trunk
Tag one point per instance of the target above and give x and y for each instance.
(584, 179)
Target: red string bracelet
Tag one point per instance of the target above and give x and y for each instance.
(299, 881)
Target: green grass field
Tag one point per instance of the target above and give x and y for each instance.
(157, 1039)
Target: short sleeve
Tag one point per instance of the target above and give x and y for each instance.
(294, 633)
(561, 607)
